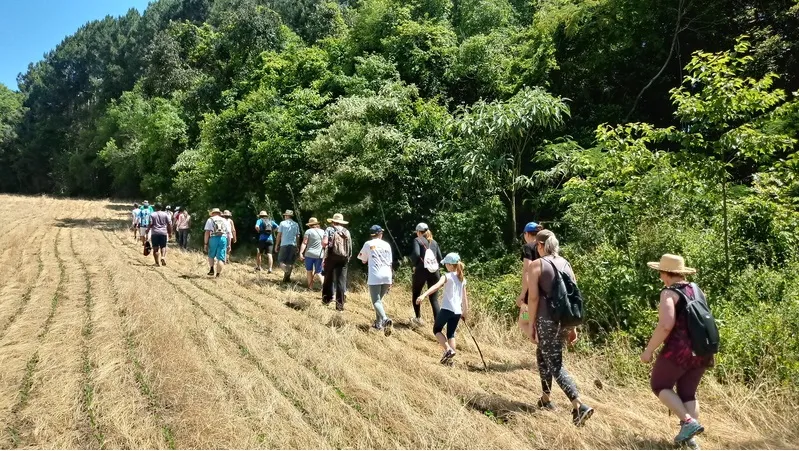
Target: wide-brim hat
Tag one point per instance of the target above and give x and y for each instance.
(262, 214)
(312, 222)
(338, 218)
(227, 213)
(671, 263)
(216, 211)
(288, 213)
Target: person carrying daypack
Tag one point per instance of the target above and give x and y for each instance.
(337, 243)
(691, 338)
(529, 256)
(266, 228)
(216, 233)
(425, 255)
(550, 285)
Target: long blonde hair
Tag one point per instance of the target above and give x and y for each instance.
(428, 235)
(459, 269)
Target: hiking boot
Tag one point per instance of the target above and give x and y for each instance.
(447, 356)
(388, 327)
(378, 325)
(340, 306)
(417, 322)
(581, 415)
(269, 271)
(163, 262)
(218, 274)
(211, 272)
(258, 268)
(688, 430)
(546, 405)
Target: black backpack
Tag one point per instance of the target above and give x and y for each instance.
(565, 300)
(702, 327)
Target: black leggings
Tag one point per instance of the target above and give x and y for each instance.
(448, 318)
(421, 277)
(335, 285)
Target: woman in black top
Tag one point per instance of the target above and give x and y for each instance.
(421, 275)
(529, 255)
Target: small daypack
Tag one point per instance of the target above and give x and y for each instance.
(702, 328)
(265, 228)
(148, 248)
(220, 226)
(429, 258)
(341, 242)
(565, 300)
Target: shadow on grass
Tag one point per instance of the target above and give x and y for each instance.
(506, 367)
(110, 225)
(498, 408)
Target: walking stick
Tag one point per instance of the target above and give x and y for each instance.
(475, 343)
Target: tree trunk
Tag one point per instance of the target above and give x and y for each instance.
(726, 231)
(513, 213)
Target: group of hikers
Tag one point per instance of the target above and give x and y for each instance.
(685, 327)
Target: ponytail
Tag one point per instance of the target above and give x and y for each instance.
(428, 235)
(459, 270)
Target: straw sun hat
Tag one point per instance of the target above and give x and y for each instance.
(671, 263)
(338, 218)
(312, 222)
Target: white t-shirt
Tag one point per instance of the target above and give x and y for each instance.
(453, 293)
(209, 225)
(134, 214)
(229, 229)
(377, 254)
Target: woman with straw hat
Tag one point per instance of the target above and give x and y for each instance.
(337, 244)
(312, 252)
(265, 228)
(677, 364)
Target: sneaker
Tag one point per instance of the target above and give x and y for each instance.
(339, 307)
(269, 271)
(581, 415)
(688, 430)
(258, 268)
(447, 356)
(211, 272)
(417, 322)
(388, 327)
(217, 274)
(163, 262)
(546, 405)
(378, 325)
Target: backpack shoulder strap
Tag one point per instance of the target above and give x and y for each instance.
(554, 268)
(418, 240)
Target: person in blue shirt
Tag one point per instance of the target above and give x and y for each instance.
(265, 227)
(145, 211)
(288, 233)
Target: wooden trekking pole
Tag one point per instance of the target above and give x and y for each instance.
(475, 343)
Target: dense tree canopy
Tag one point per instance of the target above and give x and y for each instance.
(634, 127)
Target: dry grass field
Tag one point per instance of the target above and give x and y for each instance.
(101, 349)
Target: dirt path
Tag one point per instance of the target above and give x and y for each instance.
(100, 349)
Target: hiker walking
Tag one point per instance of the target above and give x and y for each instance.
(288, 233)
(265, 227)
(337, 243)
(550, 333)
(145, 211)
(312, 252)
(231, 236)
(679, 363)
(454, 304)
(216, 233)
(160, 229)
(134, 218)
(529, 255)
(182, 226)
(425, 255)
(376, 253)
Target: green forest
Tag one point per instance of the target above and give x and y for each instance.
(630, 127)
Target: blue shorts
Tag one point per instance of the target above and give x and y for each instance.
(217, 248)
(313, 264)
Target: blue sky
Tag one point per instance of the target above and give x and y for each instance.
(31, 28)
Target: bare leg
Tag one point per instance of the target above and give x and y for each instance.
(155, 256)
(163, 253)
(211, 262)
(674, 403)
(321, 279)
(693, 409)
(451, 343)
(258, 259)
(219, 265)
(310, 279)
(271, 260)
(442, 340)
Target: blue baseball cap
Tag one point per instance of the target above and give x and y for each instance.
(531, 227)
(375, 229)
(451, 259)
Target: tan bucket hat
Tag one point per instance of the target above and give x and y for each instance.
(215, 211)
(313, 222)
(338, 218)
(227, 214)
(671, 263)
(288, 213)
(262, 214)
